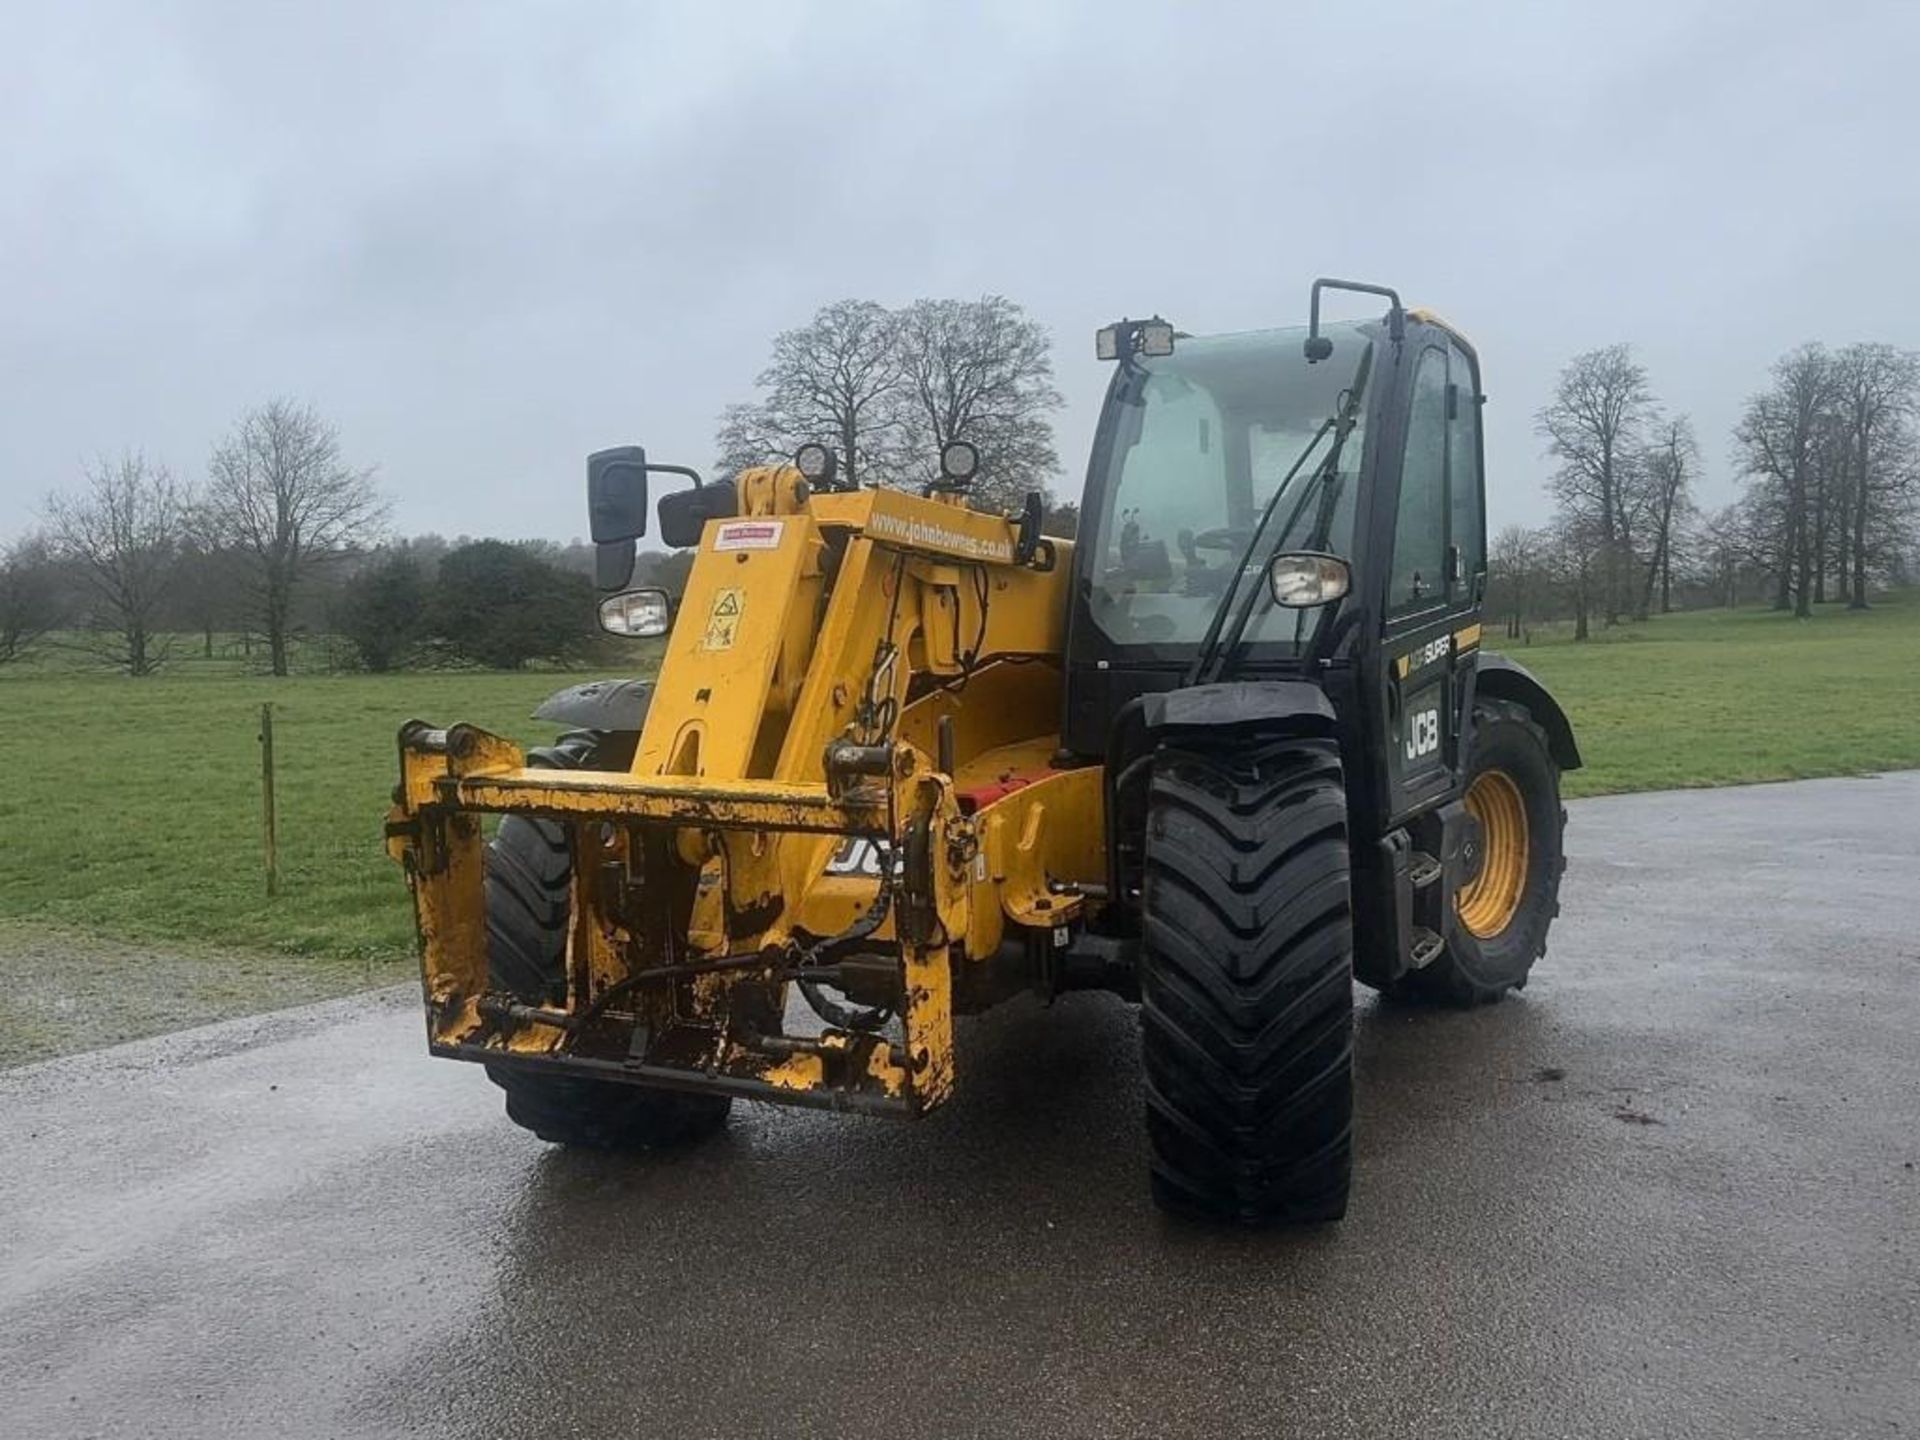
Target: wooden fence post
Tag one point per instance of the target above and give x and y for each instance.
(266, 798)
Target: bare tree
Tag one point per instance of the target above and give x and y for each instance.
(748, 435)
(1723, 553)
(1518, 555)
(1742, 548)
(211, 595)
(280, 496)
(1667, 468)
(1573, 552)
(1878, 394)
(1777, 443)
(833, 380)
(1830, 501)
(1594, 426)
(980, 371)
(31, 605)
(124, 535)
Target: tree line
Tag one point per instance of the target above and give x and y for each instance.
(285, 540)
(419, 602)
(1828, 455)
(135, 548)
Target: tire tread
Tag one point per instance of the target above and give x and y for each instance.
(1246, 1017)
(528, 879)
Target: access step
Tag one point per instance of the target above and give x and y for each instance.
(1426, 947)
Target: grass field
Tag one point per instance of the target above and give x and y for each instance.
(131, 809)
(1726, 697)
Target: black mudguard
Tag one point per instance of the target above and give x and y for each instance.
(1212, 707)
(1502, 679)
(612, 705)
(1295, 707)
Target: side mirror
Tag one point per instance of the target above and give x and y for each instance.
(613, 564)
(684, 514)
(1301, 579)
(617, 494)
(617, 510)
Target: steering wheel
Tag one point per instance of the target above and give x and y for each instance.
(1224, 537)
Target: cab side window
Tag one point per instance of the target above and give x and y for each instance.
(1467, 528)
(1420, 528)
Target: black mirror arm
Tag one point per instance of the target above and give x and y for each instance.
(693, 475)
(1319, 347)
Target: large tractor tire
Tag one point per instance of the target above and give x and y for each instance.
(528, 911)
(1498, 919)
(1247, 990)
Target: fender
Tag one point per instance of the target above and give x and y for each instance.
(1235, 703)
(1503, 679)
(619, 705)
(1295, 706)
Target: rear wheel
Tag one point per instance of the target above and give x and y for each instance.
(529, 870)
(1498, 920)
(1246, 983)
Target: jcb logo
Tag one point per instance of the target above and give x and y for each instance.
(1423, 733)
(856, 855)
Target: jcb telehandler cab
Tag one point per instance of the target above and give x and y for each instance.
(1234, 748)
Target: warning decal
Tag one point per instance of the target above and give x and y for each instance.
(723, 621)
(749, 535)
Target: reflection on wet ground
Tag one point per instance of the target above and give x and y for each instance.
(1663, 1192)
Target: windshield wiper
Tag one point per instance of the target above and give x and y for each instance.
(1216, 648)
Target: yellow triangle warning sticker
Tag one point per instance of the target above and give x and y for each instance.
(723, 621)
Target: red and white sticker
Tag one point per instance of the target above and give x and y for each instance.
(749, 535)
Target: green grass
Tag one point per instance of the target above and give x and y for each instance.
(131, 809)
(1727, 697)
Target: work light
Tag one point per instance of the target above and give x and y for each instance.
(1126, 338)
(1156, 337)
(817, 463)
(959, 460)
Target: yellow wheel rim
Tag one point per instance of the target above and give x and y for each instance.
(1488, 902)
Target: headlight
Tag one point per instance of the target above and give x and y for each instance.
(637, 613)
(1301, 579)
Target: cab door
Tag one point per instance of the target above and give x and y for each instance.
(1435, 578)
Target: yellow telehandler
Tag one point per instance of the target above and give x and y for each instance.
(1236, 747)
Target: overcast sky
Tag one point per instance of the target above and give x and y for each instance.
(487, 239)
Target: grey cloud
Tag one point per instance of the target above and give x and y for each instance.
(486, 241)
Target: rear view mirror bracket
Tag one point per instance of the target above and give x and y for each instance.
(617, 508)
(1318, 347)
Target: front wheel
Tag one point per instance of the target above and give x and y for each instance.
(1499, 915)
(529, 908)
(1246, 982)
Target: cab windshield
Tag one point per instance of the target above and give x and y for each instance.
(1201, 440)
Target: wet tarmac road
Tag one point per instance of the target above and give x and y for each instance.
(1670, 1191)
